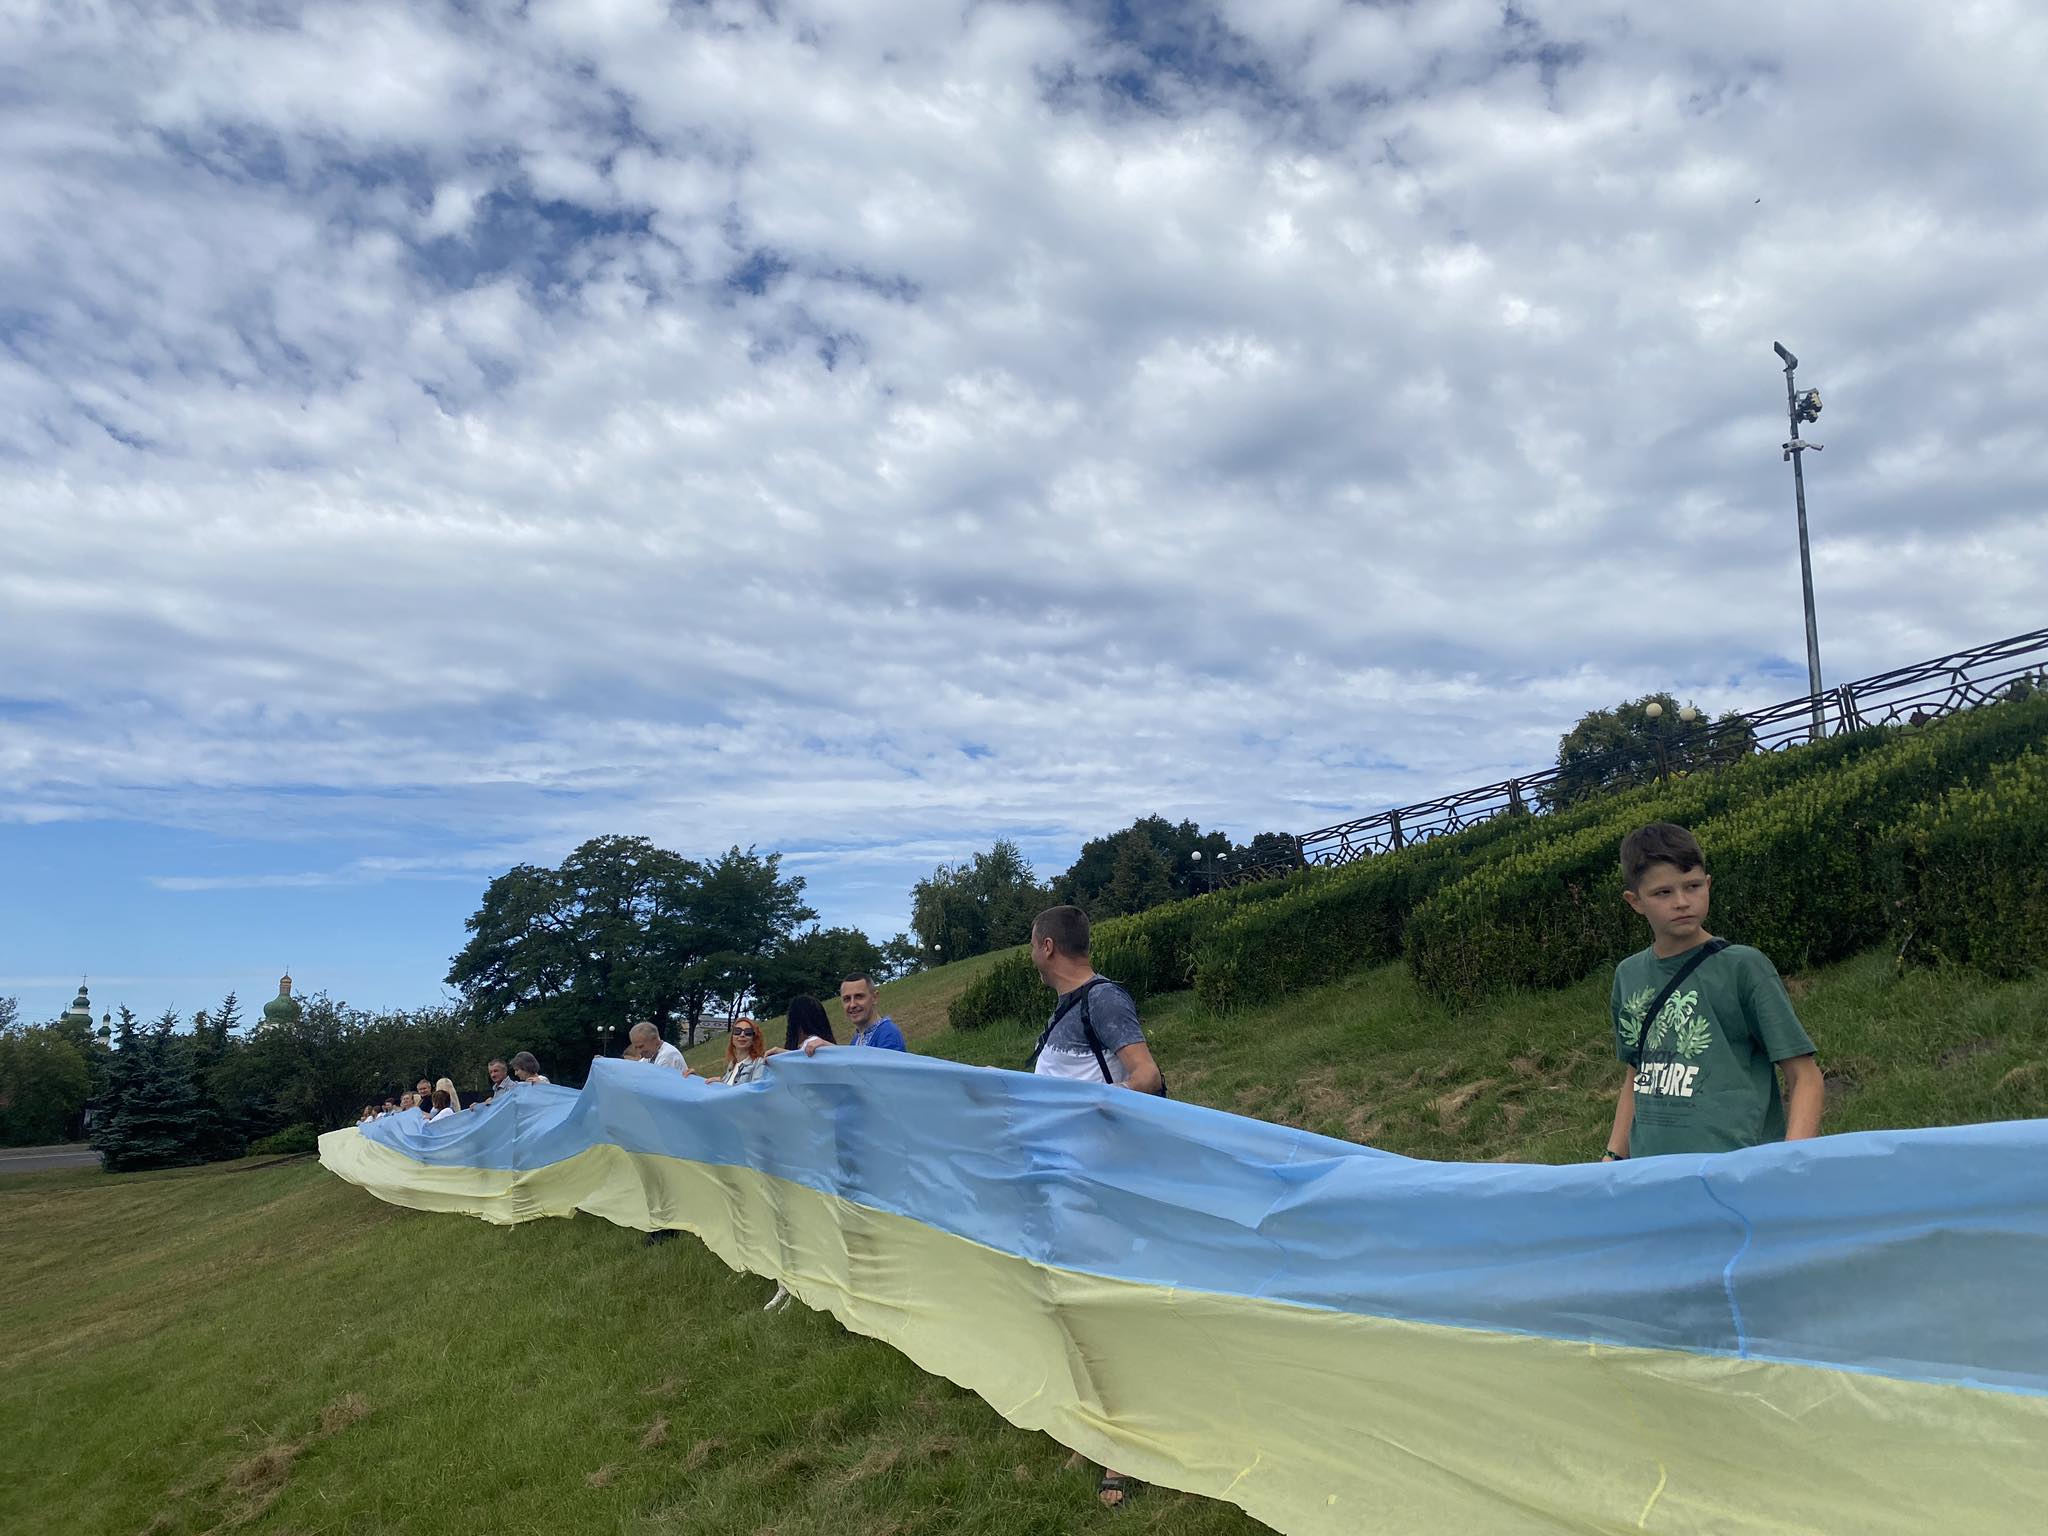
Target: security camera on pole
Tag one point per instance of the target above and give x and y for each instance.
(1803, 408)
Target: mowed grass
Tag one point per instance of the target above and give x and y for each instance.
(277, 1351)
(270, 1349)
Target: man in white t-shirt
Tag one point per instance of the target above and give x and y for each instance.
(1094, 1034)
(648, 1038)
(1095, 1037)
(663, 1054)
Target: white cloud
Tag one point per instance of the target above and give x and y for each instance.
(708, 421)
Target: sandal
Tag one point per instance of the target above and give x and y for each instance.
(1112, 1483)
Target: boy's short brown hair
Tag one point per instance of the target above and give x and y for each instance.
(1661, 842)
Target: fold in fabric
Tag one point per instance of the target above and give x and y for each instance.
(1836, 1335)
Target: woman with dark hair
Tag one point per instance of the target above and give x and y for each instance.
(806, 1018)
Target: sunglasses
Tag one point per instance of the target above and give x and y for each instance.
(746, 1031)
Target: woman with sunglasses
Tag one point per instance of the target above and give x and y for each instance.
(745, 1060)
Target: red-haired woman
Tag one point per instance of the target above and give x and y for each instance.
(745, 1060)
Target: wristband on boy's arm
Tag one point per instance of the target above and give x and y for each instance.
(1612, 1156)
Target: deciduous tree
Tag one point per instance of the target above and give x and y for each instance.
(43, 1083)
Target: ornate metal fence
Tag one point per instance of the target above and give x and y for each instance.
(1924, 691)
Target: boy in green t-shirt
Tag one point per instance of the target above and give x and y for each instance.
(1700, 1075)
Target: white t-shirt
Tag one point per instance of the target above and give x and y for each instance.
(1114, 1018)
(669, 1056)
(441, 1114)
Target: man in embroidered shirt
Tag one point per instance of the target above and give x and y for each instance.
(1702, 1074)
(857, 1002)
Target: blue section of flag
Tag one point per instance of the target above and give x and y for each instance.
(1918, 1254)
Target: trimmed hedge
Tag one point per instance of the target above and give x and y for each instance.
(1803, 875)
(1148, 952)
(1349, 917)
(1972, 872)
(292, 1141)
(1790, 838)
(1359, 915)
(1009, 989)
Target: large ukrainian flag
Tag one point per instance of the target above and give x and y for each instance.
(1846, 1336)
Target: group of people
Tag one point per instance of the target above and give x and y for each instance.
(808, 1030)
(439, 1099)
(1704, 1027)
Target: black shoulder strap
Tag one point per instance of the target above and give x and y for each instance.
(1101, 1057)
(1078, 995)
(1094, 1040)
(1700, 956)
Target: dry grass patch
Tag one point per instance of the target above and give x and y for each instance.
(253, 1484)
(1453, 1109)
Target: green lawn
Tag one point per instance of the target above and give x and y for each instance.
(273, 1350)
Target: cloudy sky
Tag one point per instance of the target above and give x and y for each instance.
(430, 435)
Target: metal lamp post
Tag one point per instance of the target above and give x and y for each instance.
(604, 1039)
(1655, 712)
(1803, 408)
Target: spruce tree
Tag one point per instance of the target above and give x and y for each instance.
(152, 1122)
(211, 1137)
(121, 1065)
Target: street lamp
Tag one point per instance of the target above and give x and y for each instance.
(604, 1039)
(1803, 408)
(1655, 712)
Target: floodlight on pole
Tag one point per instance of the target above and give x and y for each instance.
(1803, 408)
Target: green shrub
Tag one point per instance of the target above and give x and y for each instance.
(1325, 928)
(1148, 952)
(1009, 989)
(1971, 872)
(1790, 838)
(1802, 875)
(292, 1141)
(1359, 914)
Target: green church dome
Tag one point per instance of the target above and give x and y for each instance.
(283, 1008)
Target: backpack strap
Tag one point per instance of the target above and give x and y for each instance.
(1700, 956)
(1078, 996)
(1101, 1056)
(1093, 1039)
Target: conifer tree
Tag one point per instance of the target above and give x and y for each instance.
(213, 1136)
(151, 1123)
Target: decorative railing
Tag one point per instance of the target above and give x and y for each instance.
(1923, 691)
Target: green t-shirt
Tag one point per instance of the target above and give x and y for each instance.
(1707, 1081)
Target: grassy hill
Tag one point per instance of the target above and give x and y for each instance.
(269, 1349)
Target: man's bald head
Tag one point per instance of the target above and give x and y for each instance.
(643, 1033)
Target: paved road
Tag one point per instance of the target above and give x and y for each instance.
(40, 1159)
